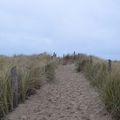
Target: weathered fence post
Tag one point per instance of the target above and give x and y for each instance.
(54, 55)
(14, 84)
(74, 55)
(109, 65)
(91, 60)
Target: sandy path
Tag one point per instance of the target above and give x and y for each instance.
(70, 98)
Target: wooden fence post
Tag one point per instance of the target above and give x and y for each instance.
(91, 60)
(14, 84)
(109, 65)
(74, 55)
(54, 55)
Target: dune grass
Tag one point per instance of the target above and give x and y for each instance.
(31, 71)
(108, 83)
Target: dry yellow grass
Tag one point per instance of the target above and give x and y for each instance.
(31, 70)
(107, 82)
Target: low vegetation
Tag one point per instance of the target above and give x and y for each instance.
(107, 82)
(50, 72)
(29, 71)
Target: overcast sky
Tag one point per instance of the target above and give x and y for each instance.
(64, 26)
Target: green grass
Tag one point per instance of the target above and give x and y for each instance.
(107, 82)
(111, 94)
(50, 71)
(31, 70)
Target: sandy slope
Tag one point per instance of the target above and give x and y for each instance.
(70, 98)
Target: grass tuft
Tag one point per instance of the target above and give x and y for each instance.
(107, 82)
(50, 72)
(30, 71)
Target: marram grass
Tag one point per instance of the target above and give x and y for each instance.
(31, 70)
(108, 83)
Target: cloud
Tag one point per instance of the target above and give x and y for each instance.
(29, 26)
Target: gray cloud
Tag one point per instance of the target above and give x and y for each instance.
(28, 26)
